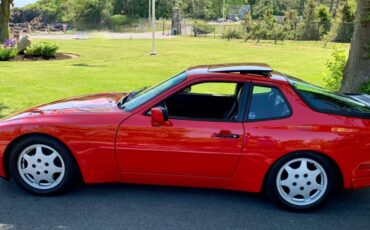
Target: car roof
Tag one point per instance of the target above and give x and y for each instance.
(260, 71)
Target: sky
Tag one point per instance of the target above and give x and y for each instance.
(20, 3)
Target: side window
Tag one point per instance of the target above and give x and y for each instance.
(215, 88)
(267, 103)
(207, 100)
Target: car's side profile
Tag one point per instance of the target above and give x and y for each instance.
(238, 126)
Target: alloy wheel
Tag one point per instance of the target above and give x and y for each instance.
(41, 166)
(302, 181)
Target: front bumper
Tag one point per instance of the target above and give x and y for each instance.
(2, 152)
(2, 171)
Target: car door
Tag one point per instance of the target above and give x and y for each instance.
(268, 125)
(187, 146)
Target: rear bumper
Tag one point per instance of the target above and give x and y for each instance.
(360, 182)
(362, 176)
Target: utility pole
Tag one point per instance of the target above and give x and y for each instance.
(154, 52)
(150, 11)
(223, 14)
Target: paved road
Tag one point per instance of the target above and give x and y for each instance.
(150, 207)
(107, 35)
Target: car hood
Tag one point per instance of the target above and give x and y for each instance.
(95, 103)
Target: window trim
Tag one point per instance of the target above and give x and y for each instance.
(249, 102)
(244, 98)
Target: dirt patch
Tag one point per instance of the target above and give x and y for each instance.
(58, 56)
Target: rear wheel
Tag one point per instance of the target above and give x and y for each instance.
(301, 181)
(42, 166)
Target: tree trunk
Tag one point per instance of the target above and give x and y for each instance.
(4, 19)
(357, 69)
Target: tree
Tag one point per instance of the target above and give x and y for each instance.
(291, 20)
(357, 70)
(262, 7)
(324, 20)
(4, 19)
(310, 29)
(92, 14)
(346, 20)
(279, 32)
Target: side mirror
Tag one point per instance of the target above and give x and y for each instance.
(159, 116)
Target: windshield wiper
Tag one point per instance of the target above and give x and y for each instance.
(130, 96)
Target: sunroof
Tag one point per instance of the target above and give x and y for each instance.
(241, 68)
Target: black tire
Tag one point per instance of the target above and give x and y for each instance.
(272, 189)
(66, 182)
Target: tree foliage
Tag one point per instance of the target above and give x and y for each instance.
(92, 14)
(324, 20)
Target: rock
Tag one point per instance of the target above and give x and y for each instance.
(24, 43)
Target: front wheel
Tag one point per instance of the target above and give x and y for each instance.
(42, 166)
(300, 181)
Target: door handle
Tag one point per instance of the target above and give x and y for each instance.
(226, 134)
(231, 136)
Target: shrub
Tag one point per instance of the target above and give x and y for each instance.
(232, 34)
(116, 22)
(336, 65)
(42, 49)
(365, 88)
(202, 28)
(7, 53)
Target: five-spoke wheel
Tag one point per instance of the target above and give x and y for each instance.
(42, 165)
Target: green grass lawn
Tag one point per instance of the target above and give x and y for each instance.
(124, 65)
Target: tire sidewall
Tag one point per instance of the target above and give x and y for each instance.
(64, 153)
(272, 188)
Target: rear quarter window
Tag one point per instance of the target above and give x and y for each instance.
(327, 102)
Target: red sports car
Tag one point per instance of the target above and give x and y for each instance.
(238, 126)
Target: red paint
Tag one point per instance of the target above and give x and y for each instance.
(111, 145)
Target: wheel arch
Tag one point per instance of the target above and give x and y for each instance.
(339, 175)
(18, 139)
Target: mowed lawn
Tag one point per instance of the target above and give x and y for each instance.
(124, 65)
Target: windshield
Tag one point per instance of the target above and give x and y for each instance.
(149, 94)
(324, 101)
